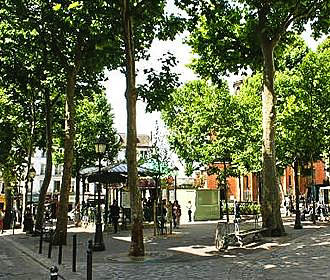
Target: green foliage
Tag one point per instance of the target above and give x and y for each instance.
(160, 84)
(227, 35)
(159, 159)
(209, 125)
(303, 108)
(94, 117)
(245, 209)
(12, 155)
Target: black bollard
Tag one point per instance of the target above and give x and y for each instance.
(74, 253)
(60, 252)
(90, 244)
(41, 240)
(50, 244)
(53, 273)
(89, 260)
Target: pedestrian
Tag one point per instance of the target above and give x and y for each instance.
(2, 216)
(237, 211)
(169, 215)
(114, 215)
(28, 221)
(237, 215)
(14, 218)
(174, 210)
(176, 214)
(292, 210)
(189, 207)
(287, 206)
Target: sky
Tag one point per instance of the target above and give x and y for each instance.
(116, 84)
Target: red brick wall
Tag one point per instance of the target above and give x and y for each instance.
(253, 182)
(319, 172)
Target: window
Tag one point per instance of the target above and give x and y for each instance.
(57, 186)
(72, 186)
(42, 169)
(290, 180)
(58, 170)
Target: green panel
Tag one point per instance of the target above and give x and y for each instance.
(207, 205)
(207, 197)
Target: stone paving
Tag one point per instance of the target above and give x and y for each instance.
(190, 254)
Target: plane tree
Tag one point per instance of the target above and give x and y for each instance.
(230, 36)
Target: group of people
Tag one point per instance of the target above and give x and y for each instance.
(89, 215)
(307, 211)
(321, 212)
(171, 213)
(14, 217)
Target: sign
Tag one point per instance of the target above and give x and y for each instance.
(126, 199)
(171, 196)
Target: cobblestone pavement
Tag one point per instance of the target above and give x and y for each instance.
(189, 254)
(16, 264)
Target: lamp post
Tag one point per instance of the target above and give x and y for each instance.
(175, 185)
(100, 147)
(32, 174)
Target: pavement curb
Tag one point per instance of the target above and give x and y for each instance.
(45, 262)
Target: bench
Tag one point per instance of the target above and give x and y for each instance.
(237, 232)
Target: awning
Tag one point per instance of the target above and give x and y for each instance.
(116, 174)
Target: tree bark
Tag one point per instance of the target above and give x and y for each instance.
(69, 134)
(137, 245)
(49, 162)
(297, 224)
(271, 214)
(9, 205)
(77, 199)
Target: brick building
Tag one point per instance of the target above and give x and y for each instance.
(246, 187)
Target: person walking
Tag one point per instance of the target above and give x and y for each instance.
(174, 210)
(189, 207)
(169, 215)
(176, 214)
(114, 215)
(2, 216)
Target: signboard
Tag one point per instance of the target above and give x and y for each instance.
(164, 194)
(126, 199)
(171, 195)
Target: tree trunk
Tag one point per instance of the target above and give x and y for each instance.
(49, 162)
(77, 199)
(69, 134)
(30, 150)
(226, 190)
(271, 215)
(9, 205)
(297, 224)
(137, 246)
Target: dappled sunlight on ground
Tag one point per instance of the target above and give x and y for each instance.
(198, 250)
(314, 226)
(123, 238)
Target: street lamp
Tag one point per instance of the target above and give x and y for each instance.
(175, 169)
(100, 147)
(32, 174)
